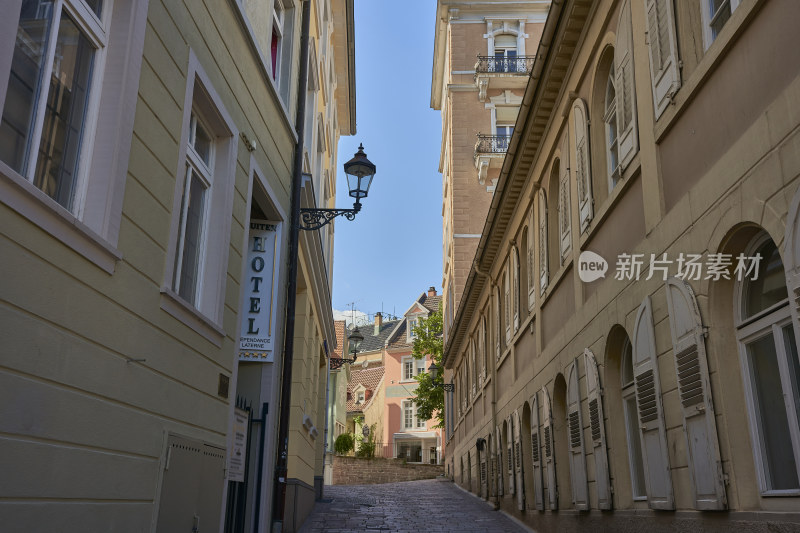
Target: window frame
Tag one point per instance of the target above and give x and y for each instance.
(631, 419)
(767, 322)
(205, 315)
(91, 229)
(709, 18)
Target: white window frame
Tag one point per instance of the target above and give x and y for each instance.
(417, 367)
(205, 316)
(709, 18)
(770, 321)
(91, 227)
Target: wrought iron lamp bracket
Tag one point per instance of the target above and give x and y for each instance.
(448, 387)
(337, 362)
(313, 218)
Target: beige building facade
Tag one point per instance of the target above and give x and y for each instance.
(624, 354)
(483, 53)
(146, 155)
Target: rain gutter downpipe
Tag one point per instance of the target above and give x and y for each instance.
(281, 466)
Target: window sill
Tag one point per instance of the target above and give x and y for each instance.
(559, 276)
(31, 203)
(182, 310)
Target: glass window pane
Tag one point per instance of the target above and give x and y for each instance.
(627, 363)
(96, 6)
(24, 82)
(202, 142)
(65, 113)
(770, 411)
(634, 447)
(770, 287)
(720, 12)
(192, 239)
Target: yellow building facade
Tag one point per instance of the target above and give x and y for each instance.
(143, 146)
(624, 352)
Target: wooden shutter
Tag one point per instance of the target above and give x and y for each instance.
(627, 128)
(516, 286)
(694, 388)
(664, 73)
(510, 455)
(549, 450)
(651, 414)
(583, 167)
(543, 277)
(594, 395)
(507, 299)
(536, 453)
(531, 272)
(497, 327)
(577, 456)
(518, 468)
(483, 472)
(499, 461)
(564, 216)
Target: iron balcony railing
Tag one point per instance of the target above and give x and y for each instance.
(492, 144)
(511, 65)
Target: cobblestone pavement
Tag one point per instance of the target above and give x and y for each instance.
(431, 505)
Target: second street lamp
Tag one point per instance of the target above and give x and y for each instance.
(355, 339)
(433, 370)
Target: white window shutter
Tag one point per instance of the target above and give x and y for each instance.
(627, 129)
(536, 456)
(531, 270)
(510, 455)
(594, 395)
(651, 414)
(664, 73)
(507, 300)
(577, 457)
(517, 283)
(483, 472)
(583, 167)
(518, 468)
(694, 387)
(499, 461)
(549, 451)
(543, 277)
(564, 215)
(497, 323)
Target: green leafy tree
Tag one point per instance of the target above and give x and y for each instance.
(428, 341)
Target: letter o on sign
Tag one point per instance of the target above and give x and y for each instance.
(257, 264)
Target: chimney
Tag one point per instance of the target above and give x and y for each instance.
(378, 322)
(431, 291)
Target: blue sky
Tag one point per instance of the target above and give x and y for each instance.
(392, 251)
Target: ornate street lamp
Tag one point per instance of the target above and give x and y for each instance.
(433, 370)
(355, 339)
(360, 172)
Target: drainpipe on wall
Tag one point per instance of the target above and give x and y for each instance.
(281, 467)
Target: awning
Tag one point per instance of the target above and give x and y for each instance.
(416, 435)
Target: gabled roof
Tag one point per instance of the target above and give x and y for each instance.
(398, 340)
(370, 378)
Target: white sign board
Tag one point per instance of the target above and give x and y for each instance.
(257, 310)
(236, 461)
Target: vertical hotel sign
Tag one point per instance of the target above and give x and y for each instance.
(257, 335)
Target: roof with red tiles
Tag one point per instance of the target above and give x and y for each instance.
(370, 378)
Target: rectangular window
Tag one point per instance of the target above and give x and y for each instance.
(408, 368)
(199, 155)
(47, 108)
(408, 415)
(715, 15)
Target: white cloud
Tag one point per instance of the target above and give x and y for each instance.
(351, 316)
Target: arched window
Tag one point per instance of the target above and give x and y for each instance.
(610, 120)
(768, 352)
(515, 276)
(631, 413)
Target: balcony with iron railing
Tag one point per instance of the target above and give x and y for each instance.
(490, 150)
(502, 72)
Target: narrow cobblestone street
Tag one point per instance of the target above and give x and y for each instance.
(412, 506)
